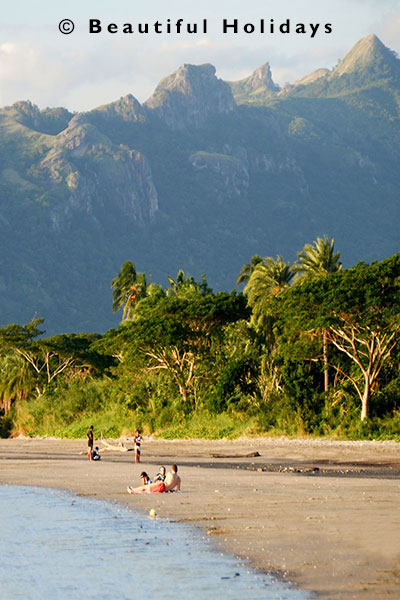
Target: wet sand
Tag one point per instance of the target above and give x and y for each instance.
(323, 515)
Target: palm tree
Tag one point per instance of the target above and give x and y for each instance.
(15, 380)
(268, 278)
(185, 285)
(128, 288)
(319, 260)
(247, 270)
(181, 284)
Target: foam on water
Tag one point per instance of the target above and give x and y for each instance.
(61, 546)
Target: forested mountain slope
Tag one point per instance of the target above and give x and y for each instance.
(201, 176)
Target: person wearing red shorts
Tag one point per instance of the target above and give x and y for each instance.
(172, 483)
(150, 488)
(156, 488)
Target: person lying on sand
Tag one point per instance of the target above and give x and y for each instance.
(150, 488)
(172, 483)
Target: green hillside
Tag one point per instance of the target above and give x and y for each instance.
(202, 176)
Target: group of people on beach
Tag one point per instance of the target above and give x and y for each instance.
(163, 481)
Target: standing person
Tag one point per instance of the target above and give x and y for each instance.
(138, 440)
(90, 439)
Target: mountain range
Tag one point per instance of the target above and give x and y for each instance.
(201, 176)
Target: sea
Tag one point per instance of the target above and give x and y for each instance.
(57, 545)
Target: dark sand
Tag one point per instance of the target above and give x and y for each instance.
(322, 514)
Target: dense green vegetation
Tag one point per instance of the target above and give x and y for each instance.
(202, 176)
(308, 348)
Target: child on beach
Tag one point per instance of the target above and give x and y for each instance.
(96, 454)
(138, 440)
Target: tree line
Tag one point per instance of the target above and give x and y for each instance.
(308, 347)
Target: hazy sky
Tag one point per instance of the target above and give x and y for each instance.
(82, 70)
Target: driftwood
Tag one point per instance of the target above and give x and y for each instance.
(113, 448)
(250, 455)
(110, 447)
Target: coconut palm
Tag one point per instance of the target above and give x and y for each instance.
(247, 270)
(185, 285)
(15, 380)
(128, 288)
(319, 260)
(181, 284)
(269, 277)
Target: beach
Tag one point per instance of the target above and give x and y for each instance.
(321, 514)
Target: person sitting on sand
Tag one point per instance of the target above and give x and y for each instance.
(146, 481)
(96, 454)
(160, 475)
(145, 478)
(172, 483)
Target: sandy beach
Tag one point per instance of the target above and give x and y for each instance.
(321, 514)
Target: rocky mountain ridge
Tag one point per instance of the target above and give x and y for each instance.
(201, 176)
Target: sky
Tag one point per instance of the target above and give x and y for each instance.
(81, 70)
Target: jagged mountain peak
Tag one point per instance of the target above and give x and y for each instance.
(367, 66)
(127, 107)
(128, 101)
(187, 78)
(369, 52)
(189, 96)
(104, 186)
(261, 77)
(49, 120)
(25, 106)
(255, 87)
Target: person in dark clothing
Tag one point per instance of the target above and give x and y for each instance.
(90, 439)
(96, 454)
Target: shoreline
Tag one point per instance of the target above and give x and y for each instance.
(320, 514)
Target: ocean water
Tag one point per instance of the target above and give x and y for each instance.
(55, 545)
